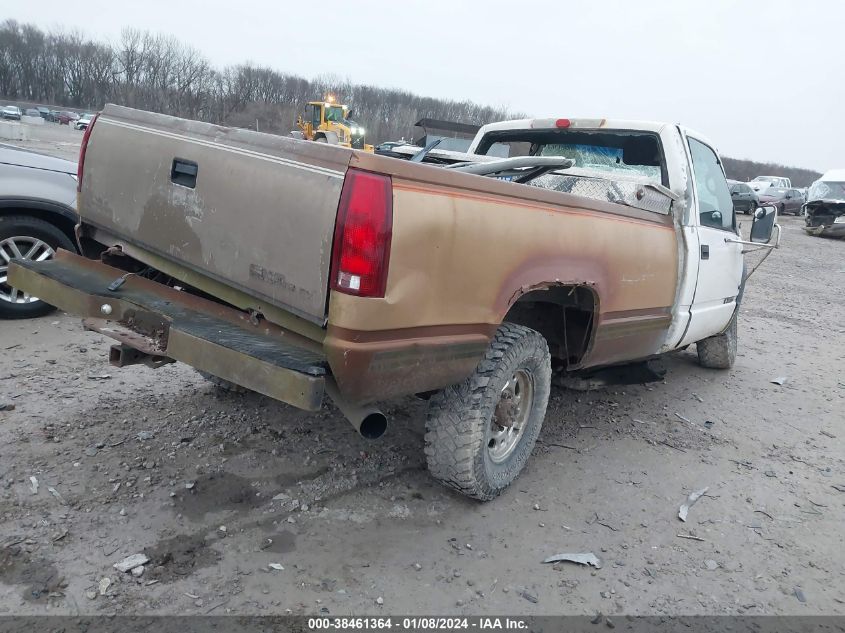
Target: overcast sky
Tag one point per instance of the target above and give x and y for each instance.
(762, 79)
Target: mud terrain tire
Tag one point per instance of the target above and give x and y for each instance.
(463, 444)
(719, 352)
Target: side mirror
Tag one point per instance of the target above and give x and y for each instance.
(763, 225)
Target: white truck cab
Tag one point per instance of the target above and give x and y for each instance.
(711, 264)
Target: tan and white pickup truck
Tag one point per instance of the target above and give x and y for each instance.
(296, 269)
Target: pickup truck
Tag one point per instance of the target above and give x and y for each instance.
(300, 269)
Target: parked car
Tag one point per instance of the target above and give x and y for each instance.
(621, 244)
(824, 210)
(83, 122)
(66, 117)
(11, 112)
(33, 112)
(44, 113)
(744, 197)
(783, 199)
(37, 216)
(760, 183)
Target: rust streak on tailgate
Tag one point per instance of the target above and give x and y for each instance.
(257, 212)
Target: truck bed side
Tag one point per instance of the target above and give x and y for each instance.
(465, 250)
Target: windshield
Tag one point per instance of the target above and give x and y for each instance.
(599, 158)
(764, 179)
(334, 113)
(629, 153)
(829, 190)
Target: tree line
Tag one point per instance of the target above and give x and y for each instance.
(159, 73)
(745, 170)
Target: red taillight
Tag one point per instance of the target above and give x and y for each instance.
(563, 123)
(82, 149)
(362, 235)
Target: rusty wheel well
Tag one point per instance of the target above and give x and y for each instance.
(563, 314)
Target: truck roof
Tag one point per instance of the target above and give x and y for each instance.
(584, 124)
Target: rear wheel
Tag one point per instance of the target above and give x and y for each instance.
(480, 432)
(24, 237)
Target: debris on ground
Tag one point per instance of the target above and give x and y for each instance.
(691, 499)
(138, 571)
(691, 537)
(530, 597)
(780, 380)
(130, 562)
(7, 406)
(56, 494)
(33, 485)
(799, 594)
(276, 566)
(103, 585)
(586, 558)
(711, 564)
(99, 376)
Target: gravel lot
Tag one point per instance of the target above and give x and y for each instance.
(215, 487)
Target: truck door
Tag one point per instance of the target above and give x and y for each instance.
(720, 265)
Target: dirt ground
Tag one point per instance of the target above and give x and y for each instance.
(215, 487)
(53, 139)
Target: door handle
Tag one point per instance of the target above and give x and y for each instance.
(705, 251)
(184, 172)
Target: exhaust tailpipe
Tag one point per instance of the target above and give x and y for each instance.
(369, 421)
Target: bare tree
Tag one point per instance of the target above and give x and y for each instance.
(159, 73)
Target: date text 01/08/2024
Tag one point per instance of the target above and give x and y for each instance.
(417, 623)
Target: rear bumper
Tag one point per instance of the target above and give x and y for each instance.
(164, 323)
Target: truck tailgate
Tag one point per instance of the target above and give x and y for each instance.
(255, 211)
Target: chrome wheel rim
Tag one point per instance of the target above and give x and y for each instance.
(510, 416)
(20, 247)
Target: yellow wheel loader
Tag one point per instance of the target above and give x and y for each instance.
(329, 122)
